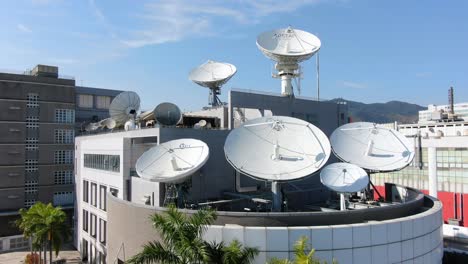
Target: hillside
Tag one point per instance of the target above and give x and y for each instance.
(383, 112)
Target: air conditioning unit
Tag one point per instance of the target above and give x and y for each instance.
(454, 221)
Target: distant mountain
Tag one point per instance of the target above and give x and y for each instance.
(383, 112)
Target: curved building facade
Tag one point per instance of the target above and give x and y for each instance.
(410, 232)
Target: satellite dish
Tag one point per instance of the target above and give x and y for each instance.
(124, 107)
(288, 47)
(91, 127)
(376, 149)
(202, 123)
(172, 161)
(277, 148)
(344, 177)
(109, 123)
(213, 75)
(167, 114)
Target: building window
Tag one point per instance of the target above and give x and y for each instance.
(64, 136)
(103, 102)
(102, 162)
(65, 116)
(102, 231)
(32, 146)
(19, 242)
(63, 157)
(32, 100)
(85, 100)
(102, 197)
(30, 187)
(85, 220)
(93, 194)
(63, 198)
(93, 225)
(30, 165)
(84, 250)
(32, 122)
(85, 191)
(29, 202)
(63, 177)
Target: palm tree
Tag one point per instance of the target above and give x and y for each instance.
(181, 241)
(303, 254)
(234, 253)
(181, 238)
(46, 225)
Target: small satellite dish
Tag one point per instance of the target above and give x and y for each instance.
(172, 161)
(277, 148)
(124, 107)
(108, 123)
(167, 114)
(213, 75)
(374, 148)
(344, 177)
(202, 123)
(288, 47)
(92, 127)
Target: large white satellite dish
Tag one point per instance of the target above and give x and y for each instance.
(277, 149)
(124, 107)
(374, 148)
(288, 47)
(172, 161)
(167, 114)
(213, 75)
(344, 177)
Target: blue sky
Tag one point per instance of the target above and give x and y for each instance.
(372, 51)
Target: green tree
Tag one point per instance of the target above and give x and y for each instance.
(182, 243)
(303, 254)
(181, 238)
(234, 253)
(46, 225)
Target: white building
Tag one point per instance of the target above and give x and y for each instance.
(461, 110)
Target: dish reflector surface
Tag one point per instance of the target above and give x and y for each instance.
(344, 177)
(277, 148)
(288, 45)
(167, 114)
(124, 106)
(172, 161)
(212, 74)
(371, 147)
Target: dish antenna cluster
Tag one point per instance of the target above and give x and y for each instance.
(373, 148)
(173, 162)
(213, 75)
(124, 109)
(288, 47)
(277, 149)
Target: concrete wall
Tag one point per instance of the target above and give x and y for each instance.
(411, 239)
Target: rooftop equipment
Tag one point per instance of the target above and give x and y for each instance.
(213, 75)
(173, 162)
(344, 178)
(288, 47)
(167, 114)
(124, 107)
(277, 149)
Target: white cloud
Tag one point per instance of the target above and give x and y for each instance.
(23, 28)
(164, 21)
(353, 85)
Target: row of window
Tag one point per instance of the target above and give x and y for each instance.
(32, 122)
(63, 157)
(64, 136)
(90, 226)
(32, 100)
(102, 162)
(65, 116)
(30, 165)
(63, 177)
(87, 101)
(91, 197)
